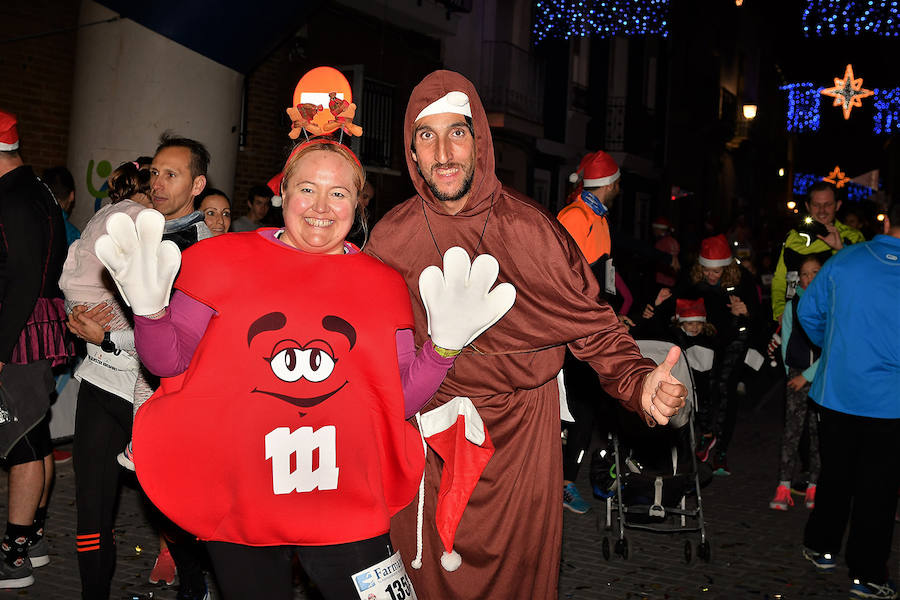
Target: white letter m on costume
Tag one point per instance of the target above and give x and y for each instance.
(281, 444)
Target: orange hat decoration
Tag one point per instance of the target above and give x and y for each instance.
(323, 103)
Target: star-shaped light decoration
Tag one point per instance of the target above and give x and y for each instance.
(847, 92)
(837, 177)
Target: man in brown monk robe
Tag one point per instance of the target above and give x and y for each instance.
(509, 536)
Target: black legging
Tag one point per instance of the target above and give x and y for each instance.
(252, 572)
(102, 428)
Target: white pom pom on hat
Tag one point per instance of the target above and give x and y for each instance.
(451, 561)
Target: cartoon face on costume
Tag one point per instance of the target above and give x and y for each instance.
(301, 370)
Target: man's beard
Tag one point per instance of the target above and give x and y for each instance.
(442, 197)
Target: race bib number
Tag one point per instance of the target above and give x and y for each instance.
(610, 279)
(386, 580)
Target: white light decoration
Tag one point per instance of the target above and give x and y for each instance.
(840, 17)
(566, 19)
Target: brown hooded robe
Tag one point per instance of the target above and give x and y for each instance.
(510, 534)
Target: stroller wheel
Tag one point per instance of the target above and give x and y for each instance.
(687, 552)
(704, 551)
(604, 547)
(622, 548)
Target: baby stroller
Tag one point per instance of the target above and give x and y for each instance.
(647, 491)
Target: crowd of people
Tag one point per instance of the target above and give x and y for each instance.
(397, 385)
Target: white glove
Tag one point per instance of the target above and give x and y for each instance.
(140, 262)
(459, 302)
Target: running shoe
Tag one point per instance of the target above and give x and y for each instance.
(125, 458)
(859, 589)
(39, 553)
(704, 449)
(810, 498)
(782, 498)
(163, 569)
(573, 500)
(824, 562)
(14, 577)
(720, 464)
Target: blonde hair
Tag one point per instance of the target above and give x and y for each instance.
(731, 275)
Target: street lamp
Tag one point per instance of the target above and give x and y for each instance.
(749, 111)
(791, 205)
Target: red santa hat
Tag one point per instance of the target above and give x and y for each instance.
(456, 432)
(596, 170)
(715, 252)
(690, 310)
(661, 223)
(9, 135)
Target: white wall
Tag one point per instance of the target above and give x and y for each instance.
(132, 84)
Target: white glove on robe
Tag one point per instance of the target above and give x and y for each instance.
(459, 302)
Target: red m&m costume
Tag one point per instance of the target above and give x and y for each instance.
(287, 427)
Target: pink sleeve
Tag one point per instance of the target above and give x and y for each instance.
(422, 374)
(622, 288)
(166, 345)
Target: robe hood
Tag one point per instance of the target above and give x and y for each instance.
(484, 183)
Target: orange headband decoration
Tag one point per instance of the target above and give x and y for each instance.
(321, 87)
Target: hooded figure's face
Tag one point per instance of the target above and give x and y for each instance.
(444, 152)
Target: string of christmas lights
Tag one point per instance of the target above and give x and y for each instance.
(804, 100)
(804, 104)
(855, 192)
(839, 17)
(887, 111)
(565, 19)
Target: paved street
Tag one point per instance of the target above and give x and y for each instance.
(755, 550)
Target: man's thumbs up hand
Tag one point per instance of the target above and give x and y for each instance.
(662, 395)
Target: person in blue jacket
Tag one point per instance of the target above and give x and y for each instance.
(851, 310)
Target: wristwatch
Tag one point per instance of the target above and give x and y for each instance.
(107, 344)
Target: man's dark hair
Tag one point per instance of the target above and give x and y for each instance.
(210, 191)
(199, 153)
(60, 182)
(821, 186)
(259, 190)
(9, 153)
(893, 214)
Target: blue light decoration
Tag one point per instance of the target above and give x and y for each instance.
(887, 111)
(804, 100)
(840, 17)
(565, 19)
(855, 192)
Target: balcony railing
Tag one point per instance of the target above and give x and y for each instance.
(512, 81)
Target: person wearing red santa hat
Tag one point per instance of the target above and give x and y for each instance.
(733, 307)
(666, 275)
(586, 219)
(32, 340)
